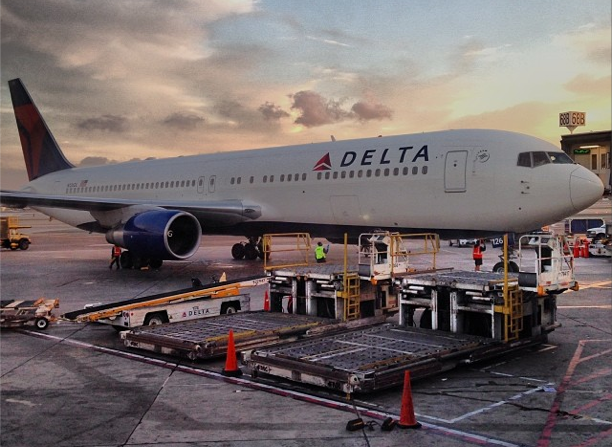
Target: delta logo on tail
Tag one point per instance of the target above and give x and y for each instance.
(324, 164)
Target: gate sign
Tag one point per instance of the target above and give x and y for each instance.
(498, 242)
(571, 120)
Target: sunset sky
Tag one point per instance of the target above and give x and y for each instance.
(123, 79)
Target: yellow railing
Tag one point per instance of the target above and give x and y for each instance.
(274, 250)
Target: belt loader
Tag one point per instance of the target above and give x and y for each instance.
(180, 305)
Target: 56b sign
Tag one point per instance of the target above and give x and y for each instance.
(572, 119)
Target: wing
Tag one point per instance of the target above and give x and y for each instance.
(219, 212)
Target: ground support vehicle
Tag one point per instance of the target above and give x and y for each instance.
(463, 242)
(10, 235)
(350, 292)
(465, 317)
(204, 339)
(38, 313)
(171, 307)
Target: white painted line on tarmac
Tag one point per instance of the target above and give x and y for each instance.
(348, 407)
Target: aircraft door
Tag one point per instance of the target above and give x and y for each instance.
(201, 184)
(454, 171)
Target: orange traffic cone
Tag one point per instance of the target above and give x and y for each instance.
(231, 364)
(407, 419)
(266, 302)
(585, 249)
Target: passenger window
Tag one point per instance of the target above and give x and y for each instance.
(424, 170)
(540, 158)
(524, 159)
(415, 170)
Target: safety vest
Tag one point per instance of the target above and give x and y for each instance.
(477, 253)
(319, 252)
(116, 251)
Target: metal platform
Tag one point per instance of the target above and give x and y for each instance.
(207, 338)
(468, 280)
(372, 358)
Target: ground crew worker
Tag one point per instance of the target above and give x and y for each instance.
(320, 253)
(479, 247)
(115, 257)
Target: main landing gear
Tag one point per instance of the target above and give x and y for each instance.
(129, 261)
(250, 250)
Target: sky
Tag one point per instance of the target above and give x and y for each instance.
(119, 80)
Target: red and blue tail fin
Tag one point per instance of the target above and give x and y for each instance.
(40, 150)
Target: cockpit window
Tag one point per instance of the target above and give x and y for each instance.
(560, 158)
(535, 159)
(524, 159)
(540, 158)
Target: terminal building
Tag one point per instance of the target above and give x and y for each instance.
(591, 150)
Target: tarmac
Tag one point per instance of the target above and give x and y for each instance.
(77, 385)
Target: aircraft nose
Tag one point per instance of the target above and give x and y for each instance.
(585, 188)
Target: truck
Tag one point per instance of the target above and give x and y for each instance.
(11, 236)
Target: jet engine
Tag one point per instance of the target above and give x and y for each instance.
(159, 234)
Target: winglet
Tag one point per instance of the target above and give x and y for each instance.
(41, 152)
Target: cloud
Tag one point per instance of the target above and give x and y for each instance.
(315, 110)
(585, 84)
(371, 111)
(184, 121)
(96, 161)
(272, 112)
(105, 123)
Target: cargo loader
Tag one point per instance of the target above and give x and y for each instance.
(464, 317)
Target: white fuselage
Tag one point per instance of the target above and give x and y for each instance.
(465, 180)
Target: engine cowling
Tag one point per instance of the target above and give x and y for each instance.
(163, 234)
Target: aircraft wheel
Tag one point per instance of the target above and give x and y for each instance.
(126, 260)
(250, 252)
(238, 251)
(499, 267)
(512, 267)
(155, 263)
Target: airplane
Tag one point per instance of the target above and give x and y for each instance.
(470, 183)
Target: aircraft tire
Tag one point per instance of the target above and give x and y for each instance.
(512, 267)
(155, 263)
(126, 260)
(238, 251)
(250, 252)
